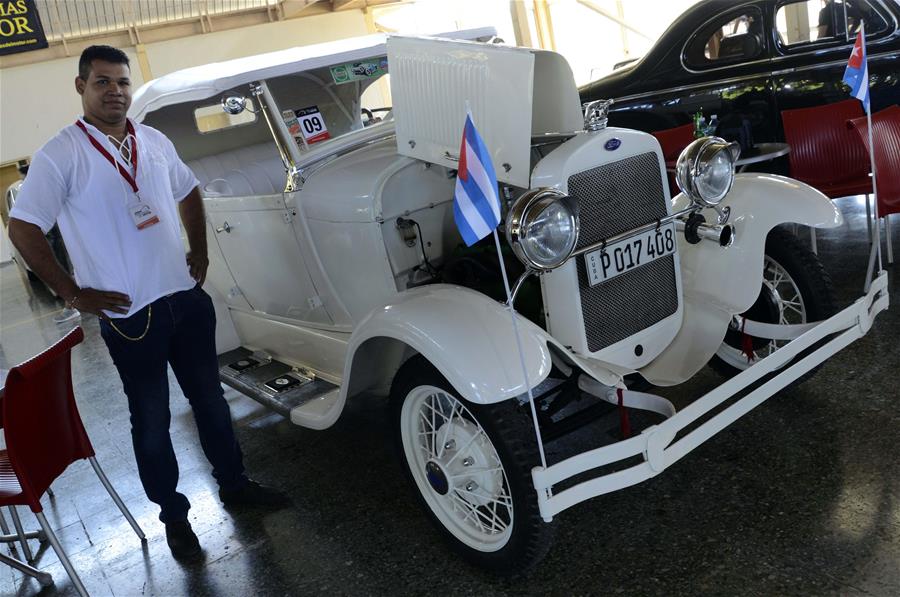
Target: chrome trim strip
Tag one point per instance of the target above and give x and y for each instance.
(627, 98)
(634, 232)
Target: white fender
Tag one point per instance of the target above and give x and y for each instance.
(466, 335)
(719, 283)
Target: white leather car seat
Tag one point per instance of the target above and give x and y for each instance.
(241, 172)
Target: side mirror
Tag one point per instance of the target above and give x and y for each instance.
(234, 104)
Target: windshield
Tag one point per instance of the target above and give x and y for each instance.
(323, 104)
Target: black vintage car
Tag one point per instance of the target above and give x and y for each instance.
(746, 61)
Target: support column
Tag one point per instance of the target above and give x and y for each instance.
(521, 27)
(544, 24)
(620, 10)
(144, 62)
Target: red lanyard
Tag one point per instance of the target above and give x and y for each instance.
(134, 154)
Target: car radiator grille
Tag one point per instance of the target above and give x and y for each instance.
(613, 199)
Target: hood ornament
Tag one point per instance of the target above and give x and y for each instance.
(596, 114)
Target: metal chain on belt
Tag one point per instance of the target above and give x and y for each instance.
(146, 329)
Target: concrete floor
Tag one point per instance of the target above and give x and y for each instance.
(801, 497)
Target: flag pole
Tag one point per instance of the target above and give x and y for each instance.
(876, 249)
(515, 325)
(509, 301)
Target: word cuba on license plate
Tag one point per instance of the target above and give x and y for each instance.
(628, 254)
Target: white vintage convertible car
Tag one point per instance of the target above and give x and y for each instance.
(339, 274)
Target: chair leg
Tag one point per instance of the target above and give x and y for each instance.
(869, 217)
(115, 497)
(870, 269)
(812, 240)
(50, 493)
(63, 558)
(7, 537)
(42, 577)
(887, 233)
(26, 549)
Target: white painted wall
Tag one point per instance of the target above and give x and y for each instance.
(440, 15)
(166, 57)
(38, 99)
(593, 43)
(590, 42)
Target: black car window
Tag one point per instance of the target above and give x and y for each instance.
(733, 38)
(806, 22)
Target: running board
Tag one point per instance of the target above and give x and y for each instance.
(275, 385)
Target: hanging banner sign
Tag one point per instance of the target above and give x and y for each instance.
(20, 27)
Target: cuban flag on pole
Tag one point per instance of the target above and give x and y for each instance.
(857, 73)
(476, 206)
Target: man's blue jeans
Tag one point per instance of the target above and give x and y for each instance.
(181, 333)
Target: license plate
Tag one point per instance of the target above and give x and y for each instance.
(629, 254)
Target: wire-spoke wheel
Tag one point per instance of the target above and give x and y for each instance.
(795, 289)
(470, 465)
(456, 468)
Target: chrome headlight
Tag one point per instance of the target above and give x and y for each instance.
(705, 170)
(542, 228)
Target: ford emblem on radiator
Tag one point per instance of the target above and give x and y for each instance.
(612, 145)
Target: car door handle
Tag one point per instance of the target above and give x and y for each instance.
(225, 227)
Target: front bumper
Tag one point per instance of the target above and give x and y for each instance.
(656, 444)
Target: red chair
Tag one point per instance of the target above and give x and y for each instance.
(44, 435)
(824, 153)
(672, 142)
(886, 142)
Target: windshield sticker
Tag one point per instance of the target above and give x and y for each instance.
(312, 124)
(356, 71)
(293, 125)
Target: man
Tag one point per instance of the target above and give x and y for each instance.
(117, 190)
(59, 251)
(834, 18)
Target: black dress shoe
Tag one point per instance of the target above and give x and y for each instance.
(254, 494)
(182, 540)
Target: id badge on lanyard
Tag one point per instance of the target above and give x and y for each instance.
(141, 213)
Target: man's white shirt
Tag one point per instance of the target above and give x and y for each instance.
(71, 183)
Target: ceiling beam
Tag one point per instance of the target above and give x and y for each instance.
(131, 35)
(293, 8)
(347, 4)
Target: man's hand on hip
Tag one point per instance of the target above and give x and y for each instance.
(198, 263)
(94, 301)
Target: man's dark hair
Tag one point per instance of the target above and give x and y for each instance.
(105, 53)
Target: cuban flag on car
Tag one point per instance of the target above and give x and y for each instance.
(476, 206)
(857, 73)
